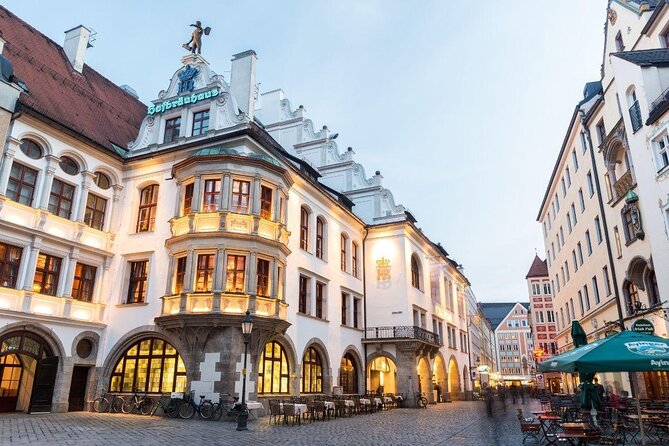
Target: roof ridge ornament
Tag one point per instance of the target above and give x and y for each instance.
(195, 42)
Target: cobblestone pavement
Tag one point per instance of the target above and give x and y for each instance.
(459, 423)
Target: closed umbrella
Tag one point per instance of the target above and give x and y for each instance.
(623, 352)
(589, 394)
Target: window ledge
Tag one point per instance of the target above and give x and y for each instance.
(313, 317)
(138, 304)
(352, 328)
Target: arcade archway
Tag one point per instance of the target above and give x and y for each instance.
(28, 370)
(454, 388)
(383, 375)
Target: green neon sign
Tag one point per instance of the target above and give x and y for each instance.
(181, 101)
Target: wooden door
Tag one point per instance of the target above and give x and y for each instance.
(77, 397)
(45, 380)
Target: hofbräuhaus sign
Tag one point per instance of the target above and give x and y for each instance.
(181, 101)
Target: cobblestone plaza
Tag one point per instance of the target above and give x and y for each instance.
(461, 423)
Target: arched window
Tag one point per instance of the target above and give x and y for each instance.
(651, 286)
(344, 252)
(102, 180)
(69, 165)
(151, 365)
(10, 378)
(354, 259)
(273, 370)
(320, 237)
(148, 200)
(632, 294)
(304, 228)
(312, 372)
(348, 374)
(415, 272)
(31, 149)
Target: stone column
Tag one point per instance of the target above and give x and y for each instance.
(225, 192)
(277, 203)
(273, 291)
(79, 210)
(115, 210)
(251, 278)
(179, 200)
(407, 378)
(170, 274)
(196, 205)
(255, 196)
(6, 168)
(44, 189)
(32, 263)
(69, 273)
(218, 269)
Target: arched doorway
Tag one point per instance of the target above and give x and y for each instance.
(440, 377)
(28, 371)
(348, 374)
(383, 375)
(453, 379)
(424, 378)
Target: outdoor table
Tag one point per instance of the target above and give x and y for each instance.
(387, 400)
(365, 402)
(329, 405)
(548, 425)
(299, 408)
(635, 420)
(377, 402)
(570, 436)
(539, 412)
(349, 403)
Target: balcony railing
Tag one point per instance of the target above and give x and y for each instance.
(635, 116)
(226, 221)
(622, 185)
(226, 303)
(403, 332)
(44, 305)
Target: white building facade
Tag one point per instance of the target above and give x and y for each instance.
(134, 239)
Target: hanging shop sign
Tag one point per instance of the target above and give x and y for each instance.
(181, 101)
(643, 326)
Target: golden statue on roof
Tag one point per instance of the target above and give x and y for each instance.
(195, 42)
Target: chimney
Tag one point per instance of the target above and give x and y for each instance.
(77, 41)
(243, 80)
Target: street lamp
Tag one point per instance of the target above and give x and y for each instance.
(247, 327)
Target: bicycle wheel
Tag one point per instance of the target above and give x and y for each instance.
(146, 406)
(117, 404)
(216, 412)
(101, 405)
(172, 409)
(127, 406)
(206, 410)
(186, 411)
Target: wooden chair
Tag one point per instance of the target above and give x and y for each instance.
(531, 431)
(341, 409)
(320, 411)
(275, 411)
(289, 413)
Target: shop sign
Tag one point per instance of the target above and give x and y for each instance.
(643, 326)
(181, 101)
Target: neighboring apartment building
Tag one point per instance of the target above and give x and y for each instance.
(481, 344)
(513, 339)
(608, 180)
(542, 322)
(134, 239)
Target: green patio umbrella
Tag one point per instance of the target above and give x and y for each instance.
(626, 351)
(589, 394)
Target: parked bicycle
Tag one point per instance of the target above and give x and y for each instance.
(231, 407)
(102, 404)
(188, 409)
(421, 401)
(143, 404)
(169, 405)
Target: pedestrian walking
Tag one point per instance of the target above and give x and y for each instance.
(514, 393)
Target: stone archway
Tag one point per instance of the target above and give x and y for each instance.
(454, 388)
(424, 377)
(382, 374)
(440, 375)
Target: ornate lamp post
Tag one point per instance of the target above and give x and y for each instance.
(247, 327)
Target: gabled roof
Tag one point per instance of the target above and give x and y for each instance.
(646, 58)
(496, 312)
(538, 268)
(86, 103)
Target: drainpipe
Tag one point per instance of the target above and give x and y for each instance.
(606, 226)
(364, 302)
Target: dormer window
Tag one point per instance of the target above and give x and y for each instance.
(172, 128)
(200, 122)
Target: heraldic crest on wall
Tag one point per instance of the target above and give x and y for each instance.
(187, 79)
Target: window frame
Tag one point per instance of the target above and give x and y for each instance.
(266, 201)
(200, 117)
(86, 285)
(9, 265)
(211, 196)
(93, 217)
(312, 366)
(51, 270)
(172, 129)
(237, 274)
(284, 377)
(320, 238)
(204, 269)
(237, 195)
(20, 184)
(146, 211)
(263, 284)
(304, 228)
(138, 280)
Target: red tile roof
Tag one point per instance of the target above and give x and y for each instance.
(86, 103)
(538, 268)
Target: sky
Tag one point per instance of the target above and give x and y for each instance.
(462, 105)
